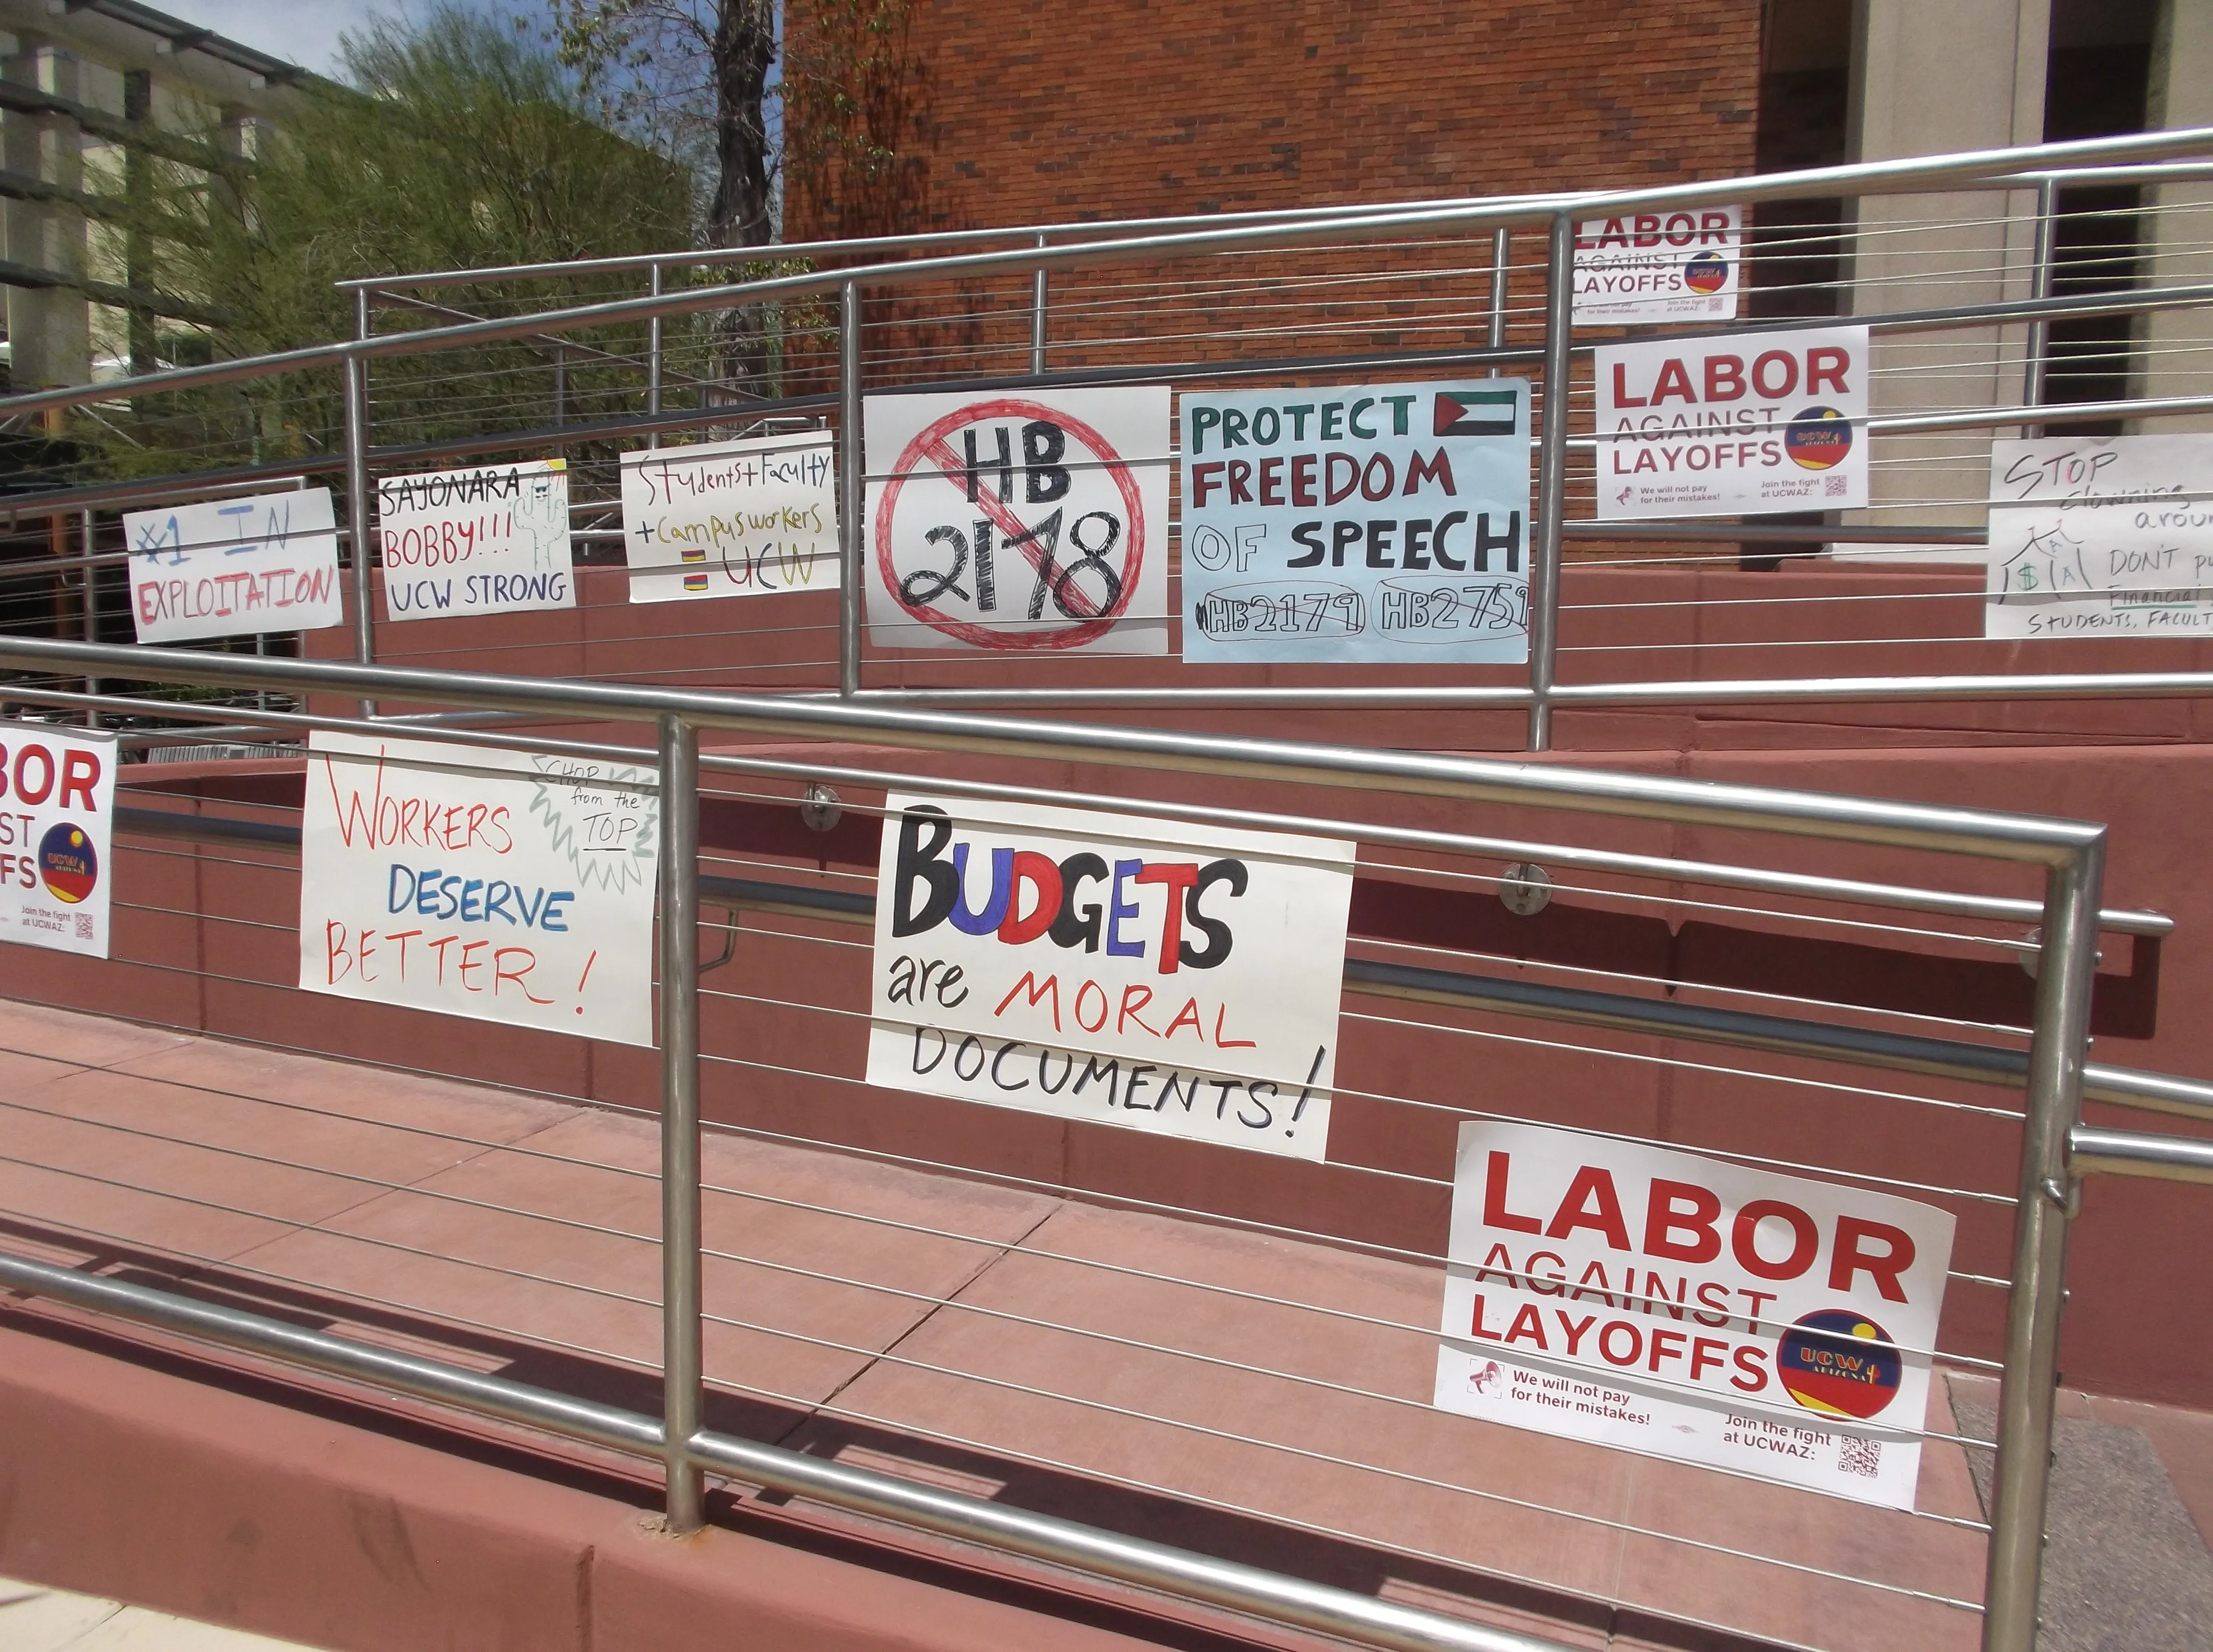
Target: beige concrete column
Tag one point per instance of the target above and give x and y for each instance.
(2177, 357)
(1929, 79)
(49, 337)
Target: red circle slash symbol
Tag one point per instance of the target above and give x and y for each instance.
(1062, 549)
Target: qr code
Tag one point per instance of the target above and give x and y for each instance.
(84, 926)
(1858, 1456)
(1833, 486)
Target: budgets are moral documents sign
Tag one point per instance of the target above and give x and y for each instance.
(1692, 1308)
(56, 808)
(1150, 974)
(1035, 522)
(502, 886)
(1369, 522)
(1681, 266)
(1737, 422)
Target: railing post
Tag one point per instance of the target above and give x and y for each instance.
(1038, 302)
(90, 587)
(560, 386)
(1551, 484)
(1501, 240)
(852, 494)
(358, 536)
(681, 1368)
(2028, 1394)
(2038, 363)
(653, 364)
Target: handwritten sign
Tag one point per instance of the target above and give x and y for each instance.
(1740, 422)
(56, 809)
(493, 540)
(234, 567)
(1161, 976)
(1024, 523)
(749, 518)
(2102, 537)
(502, 886)
(1691, 1308)
(1659, 267)
(1376, 522)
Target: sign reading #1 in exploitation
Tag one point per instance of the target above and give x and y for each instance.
(57, 807)
(490, 540)
(1692, 1308)
(234, 567)
(754, 517)
(1659, 267)
(1158, 976)
(1034, 522)
(502, 886)
(1381, 522)
(1746, 422)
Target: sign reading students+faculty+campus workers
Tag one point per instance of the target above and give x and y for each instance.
(1373, 523)
(493, 539)
(755, 517)
(1692, 1307)
(1178, 979)
(234, 567)
(57, 811)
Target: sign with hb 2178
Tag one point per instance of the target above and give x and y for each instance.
(1372, 522)
(1173, 979)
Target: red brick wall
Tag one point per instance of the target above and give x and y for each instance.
(1039, 112)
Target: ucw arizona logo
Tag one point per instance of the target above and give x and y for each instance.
(1032, 895)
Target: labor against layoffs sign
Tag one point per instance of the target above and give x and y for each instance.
(1692, 1308)
(1174, 979)
(1376, 522)
(1029, 523)
(1659, 267)
(502, 886)
(56, 809)
(749, 518)
(490, 540)
(2102, 537)
(1744, 422)
(234, 567)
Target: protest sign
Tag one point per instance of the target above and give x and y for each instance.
(57, 810)
(2102, 537)
(749, 518)
(1035, 522)
(1162, 976)
(1742, 421)
(503, 885)
(234, 567)
(1373, 523)
(1659, 267)
(1692, 1308)
(491, 539)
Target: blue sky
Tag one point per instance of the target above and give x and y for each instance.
(307, 31)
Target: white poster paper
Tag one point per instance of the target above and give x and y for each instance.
(1160, 976)
(234, 567)
(490, 540)
(2106, 536)
(509, 887)
(56, 812)
(1373, 523)
(1743, 422)
(1659, 266)
(1035, 522)
(754, 517)
(1692, 1308)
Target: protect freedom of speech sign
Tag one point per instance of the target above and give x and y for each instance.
(1692, 1307)
(1152, 974)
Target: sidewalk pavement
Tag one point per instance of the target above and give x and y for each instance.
(35, 1619)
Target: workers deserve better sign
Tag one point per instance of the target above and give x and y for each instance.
(1031, 523)
(754, 517)
(56, 809)
(1745, 421)
(1659, 267)
(1692, 1308)
(1373, 523)
(502, 886)
(234, 567)
(490, 540)
(1150, 974)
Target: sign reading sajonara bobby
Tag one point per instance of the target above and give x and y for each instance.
(1691, 1308)
(1744, 422)
(57, 807)
(1659, 267)
(1035, 522)
(490, 540)
(1145, 973)
(234, 567)
(748, 518)
(1376, 522)
(502, 886)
